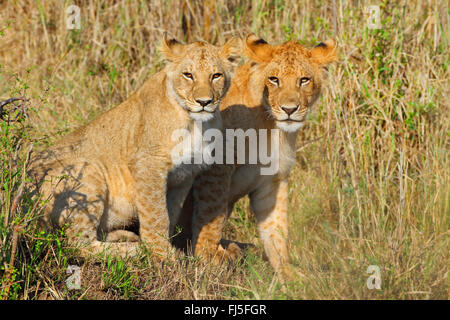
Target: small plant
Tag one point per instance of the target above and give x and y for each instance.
(25, 250)
(117, 277)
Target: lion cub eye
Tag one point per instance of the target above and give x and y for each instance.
(216, 76)
(304, 81)
(188, 75)
(274, 80)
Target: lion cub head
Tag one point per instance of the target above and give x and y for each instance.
(289, 77)
(199, 74)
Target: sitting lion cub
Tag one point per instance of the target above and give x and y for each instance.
(115, 171)
(271, 93)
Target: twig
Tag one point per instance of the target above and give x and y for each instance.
(15, 238)
(8, 101)
(22, 108)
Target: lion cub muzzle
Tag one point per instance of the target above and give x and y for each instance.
(204, 98)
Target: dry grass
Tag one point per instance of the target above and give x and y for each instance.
(372, 182)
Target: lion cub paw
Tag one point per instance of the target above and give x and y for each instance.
(218, 253)
(230, 253)
(289, 273)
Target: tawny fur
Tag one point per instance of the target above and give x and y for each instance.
(255, 100)
(118, 170)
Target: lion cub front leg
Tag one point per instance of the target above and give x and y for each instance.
(270, 206)
(151, 206)
(211, 191)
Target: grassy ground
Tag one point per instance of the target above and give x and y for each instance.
(371, 186)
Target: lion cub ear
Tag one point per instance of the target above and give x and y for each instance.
(232, 50)
(258, 49)
(324, 52)
(171, 48)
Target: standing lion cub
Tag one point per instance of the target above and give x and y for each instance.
(115, 171)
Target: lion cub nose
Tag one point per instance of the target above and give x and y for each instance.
(203, 102)
(289, 110)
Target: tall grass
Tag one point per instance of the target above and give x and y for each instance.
(370, 186)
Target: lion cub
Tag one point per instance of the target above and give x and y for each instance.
(274, 90)
(115, 171)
